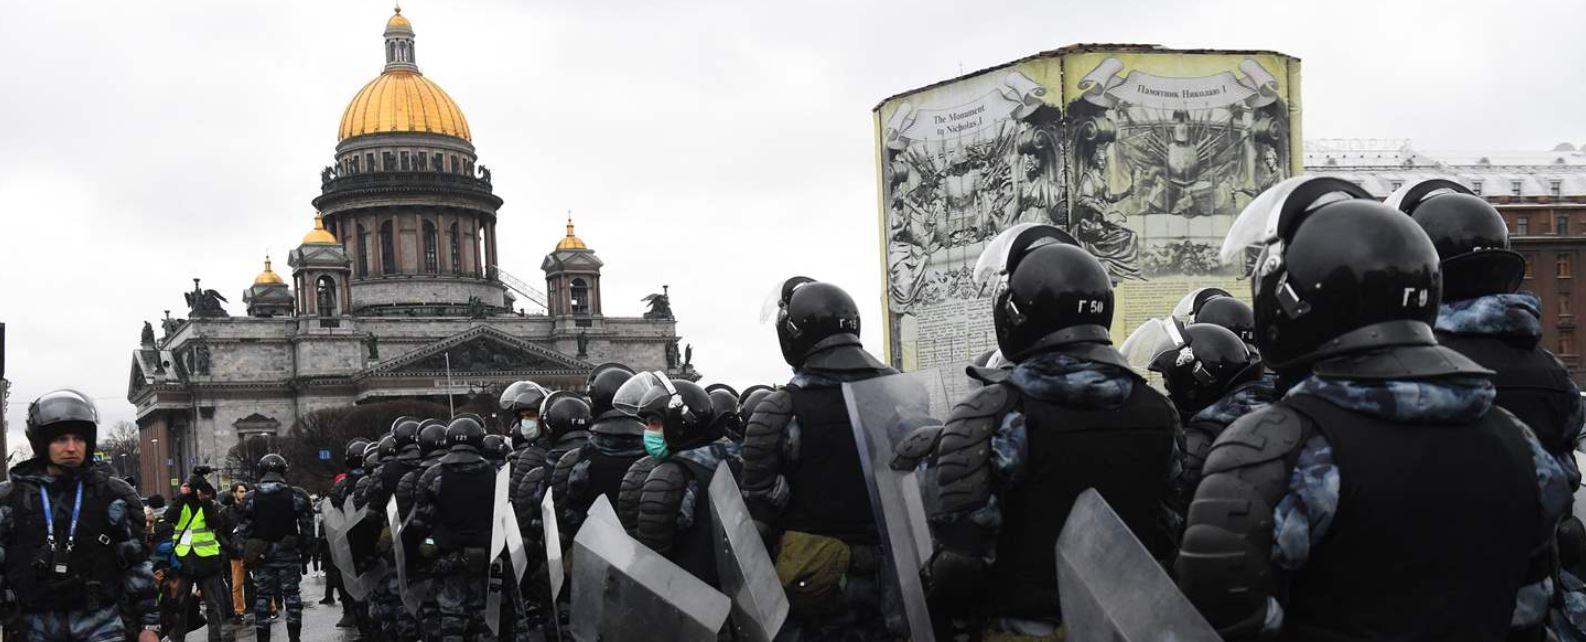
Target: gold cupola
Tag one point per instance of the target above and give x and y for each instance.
(319, 235)
(268, 276)
(571, 241)
(401, 99)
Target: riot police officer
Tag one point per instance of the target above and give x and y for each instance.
(496, 448)
(522, 401)
(724, 400)
(72, 536)
(402, 458)
(431, 446)
(566, 430)
(453, 515)
(1383, 497)
(679, 482)
(276, 527)
(805, 487)
(616, 441)
(353, 613)
(1014, 455)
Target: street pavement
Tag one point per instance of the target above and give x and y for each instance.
(319, 621)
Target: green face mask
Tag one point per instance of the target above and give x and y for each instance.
(655, 444)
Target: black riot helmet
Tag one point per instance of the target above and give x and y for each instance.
(388, 447)
(1338, 272)
(724, 405)
(690, 418)
(1471, 238)
(272, 464)
(496, 448)
(432, 437)
(1203, 364)
(522, 395)
(466, 432)
(751, 398)
(406, 436)
(1046, 291)
(353, 457)
(565, 412)
(371, 456)
(61, 412)
(602, 385)
(1230, 313)
(809, 312)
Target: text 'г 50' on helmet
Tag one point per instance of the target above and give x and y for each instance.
(1470, 235)
(1338, 272)
(1046, 291)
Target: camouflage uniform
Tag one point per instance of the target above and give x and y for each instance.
(460, 575)
(279, 570)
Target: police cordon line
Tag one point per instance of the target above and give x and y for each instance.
(1378, 448)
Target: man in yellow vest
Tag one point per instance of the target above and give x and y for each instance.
(198, 534)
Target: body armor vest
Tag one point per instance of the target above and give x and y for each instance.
(605, 476)
(273, 515)
(93, 575)
(694, 549)
(1531, 384)
(1433, 532)
(465, 507)
(1125, 453)
(829, 495)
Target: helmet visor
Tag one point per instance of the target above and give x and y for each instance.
(1262, 221)
(1184, 312)
(1149, 341)
(993, 261)
(62, 406)
(776, 300)
(643, 394)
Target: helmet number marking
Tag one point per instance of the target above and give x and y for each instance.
(1091, 306)
(1416, 297)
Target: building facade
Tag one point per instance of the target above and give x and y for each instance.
(394, 293)
(1541, 195)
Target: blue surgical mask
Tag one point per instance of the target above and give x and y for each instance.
(655, 444)
(530, 429)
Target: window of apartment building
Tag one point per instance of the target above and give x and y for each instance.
(1514, 188)
(1562, 267)
(1561, 225)
(1555, 188)
(1475, 187)
(1564, 304)
(1522, 226)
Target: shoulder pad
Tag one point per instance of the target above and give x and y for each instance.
(1261, 436)
(658, 505)
(569, 459)
(985, 402)
(915, 446)
(764, 434)
(121, 490)
(776, 403)
(632, 487)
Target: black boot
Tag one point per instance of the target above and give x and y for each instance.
(294, 632)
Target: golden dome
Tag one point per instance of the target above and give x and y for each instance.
(571, 242)
(398, 22)
(319, 235)
(402, 100)
(268, 276)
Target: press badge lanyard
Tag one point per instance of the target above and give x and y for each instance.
(49, 522)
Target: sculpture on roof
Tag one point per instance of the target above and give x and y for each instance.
(205, 303)
(660, 304)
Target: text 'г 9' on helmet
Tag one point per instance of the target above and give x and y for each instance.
(353, 456)
(466, 431)
(59, 412)
(1470, 236)
(602, 385)
(1338, 272)
(432, 437)
(1230, 313)
(1046, 291)
(807, 313)
(564, 412)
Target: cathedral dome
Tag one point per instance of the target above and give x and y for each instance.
(401, 99)
(268, 276)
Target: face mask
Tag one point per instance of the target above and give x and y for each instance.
(530, 428)
(655, 444)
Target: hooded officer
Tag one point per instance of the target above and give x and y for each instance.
(1382, 497)
(276, 527)
(452, 520)
(353, 613)
(399, 455)
(674, 510)
(1485, 317)
(72, 534)
(1069, 415)
(802, 479)
(616, 441)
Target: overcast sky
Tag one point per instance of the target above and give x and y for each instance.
(716, 148)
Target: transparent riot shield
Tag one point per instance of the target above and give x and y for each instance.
(553, 546)
(338, 525)
(882, 411)
(501, 517)
(759, 605)
(412, 593)
(622, 590)
(363, 536)
(1580, 493)
(1110, 587)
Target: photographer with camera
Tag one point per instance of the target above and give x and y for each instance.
(198, 534)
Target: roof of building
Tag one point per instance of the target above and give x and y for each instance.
(319, 235)
(1380, 165)
(402, 100)
(571, 241)
(268, 276)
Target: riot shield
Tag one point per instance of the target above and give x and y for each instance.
(553, 546)
(363, 537)
(497, 584)
(622, 590)
(1110, 587)
(1580, 493)
(882, 410)
(413, 593)
(338, 524)
(759, 606)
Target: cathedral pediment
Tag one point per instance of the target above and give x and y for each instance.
(481, 350)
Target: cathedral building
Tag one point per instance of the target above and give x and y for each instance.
(393, 293)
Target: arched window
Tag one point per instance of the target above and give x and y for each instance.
(431, 253)
(390, 51)
(363, 252)
(457, 251)
(580, 293)
(387, 249)
(325, 296)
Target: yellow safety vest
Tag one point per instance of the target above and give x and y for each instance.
(195, 537)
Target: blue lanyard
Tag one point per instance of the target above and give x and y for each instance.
(49, 519)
